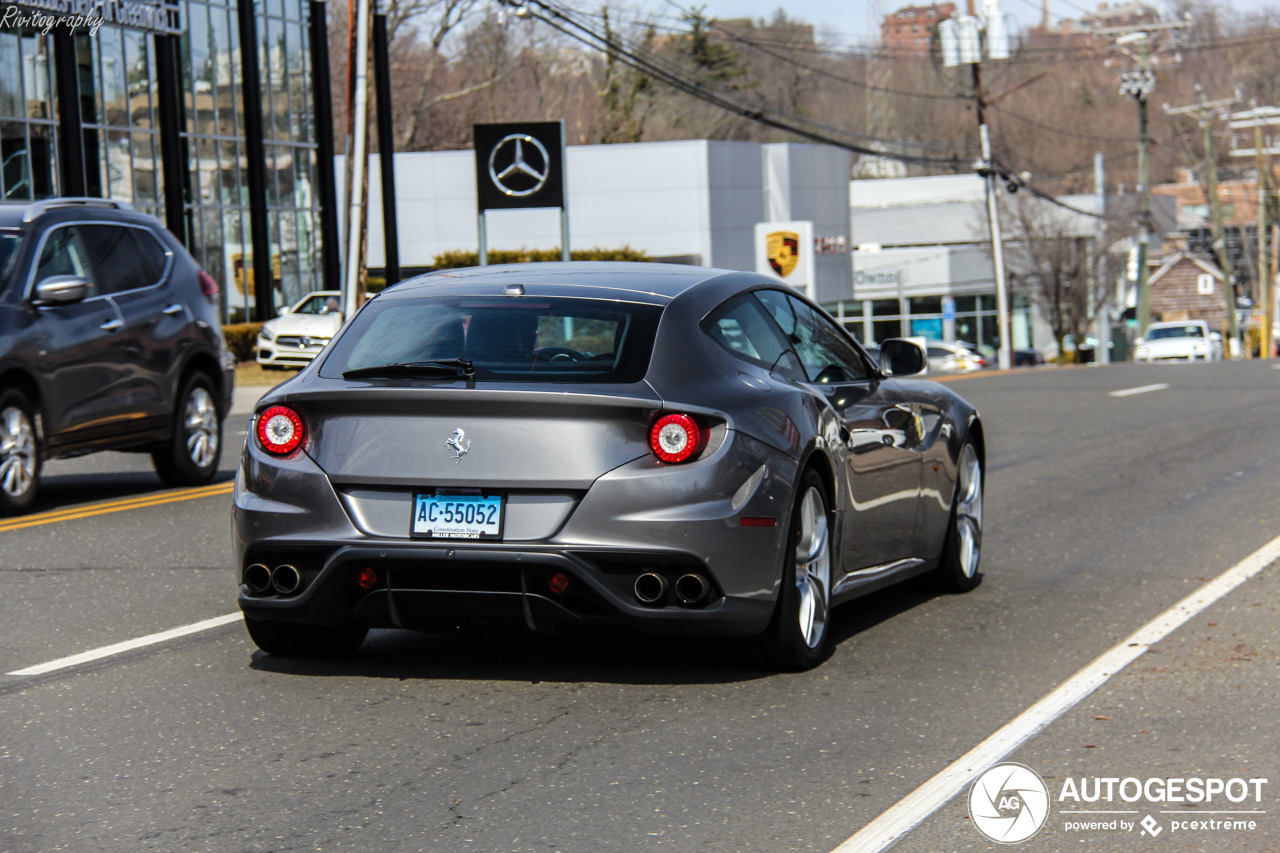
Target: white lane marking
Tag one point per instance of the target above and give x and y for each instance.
(903, 816)
(129, 645)
(1129, 392)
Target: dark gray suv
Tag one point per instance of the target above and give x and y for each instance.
(109, 340)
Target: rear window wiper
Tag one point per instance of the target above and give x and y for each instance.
(443, 367)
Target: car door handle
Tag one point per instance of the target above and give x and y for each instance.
(174, 309)
(112, 325)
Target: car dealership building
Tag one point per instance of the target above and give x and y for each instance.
(156, 103)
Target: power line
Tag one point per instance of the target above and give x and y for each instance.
(564, 21)
(1005, 111)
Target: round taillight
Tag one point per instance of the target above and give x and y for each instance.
(675, 438)
(280, 430)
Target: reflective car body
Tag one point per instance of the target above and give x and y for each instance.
(1186, 340)
(560, 397)
(953, 357)
(110, 339)
(295, 337)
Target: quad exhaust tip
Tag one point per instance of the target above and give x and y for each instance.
(651, 588)
(286, 579)
(257, 578)
(692, 589)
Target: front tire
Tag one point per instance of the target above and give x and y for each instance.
(301, 640)
(191, 457)
(958, 568)
(19, 453)
(799, 636)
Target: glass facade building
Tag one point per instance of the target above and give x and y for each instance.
(153, 108)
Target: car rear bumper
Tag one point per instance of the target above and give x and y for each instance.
(434, 587)
(641, 518)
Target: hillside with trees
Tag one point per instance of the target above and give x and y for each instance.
(628, 73)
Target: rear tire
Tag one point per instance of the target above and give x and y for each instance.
(191, 457)
(957, 570)
(799, 637)
(301, 640)
(19, 453)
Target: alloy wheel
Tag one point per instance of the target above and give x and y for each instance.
(200, 426)
(969, 511)
(17, 452)
(813, 568)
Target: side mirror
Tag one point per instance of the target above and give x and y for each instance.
(61, 290)
(900, 357)
(1215, 336)
(282, 311)
(1139, 341)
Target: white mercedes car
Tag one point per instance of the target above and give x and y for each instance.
(295, 337)
(1183, 340)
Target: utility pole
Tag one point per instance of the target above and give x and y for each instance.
(1138, 84)
(357, 167)
(1205, 109)
(962, 45)
(1098, 261)
(1258, 118)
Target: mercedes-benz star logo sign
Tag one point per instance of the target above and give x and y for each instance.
(518, 170)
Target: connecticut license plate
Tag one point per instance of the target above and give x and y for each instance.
(439, 515)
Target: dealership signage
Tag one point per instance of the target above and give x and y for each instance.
(881, 277)
(520, 166)
(786, 250)
(156, 17)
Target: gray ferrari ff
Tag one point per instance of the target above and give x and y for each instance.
(661, 448)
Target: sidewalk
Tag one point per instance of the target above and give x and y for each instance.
(246, 397)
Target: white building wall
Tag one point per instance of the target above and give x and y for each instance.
(670, 199)
(695, 200)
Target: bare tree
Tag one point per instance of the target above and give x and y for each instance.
(1047, 250)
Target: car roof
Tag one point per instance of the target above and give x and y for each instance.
(14, 214)
(664, 281)
(11, 213)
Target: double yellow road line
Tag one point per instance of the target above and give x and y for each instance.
(90, 510)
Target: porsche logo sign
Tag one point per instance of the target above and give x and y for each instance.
(783, 251)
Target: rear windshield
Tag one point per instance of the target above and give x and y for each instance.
(507, 339)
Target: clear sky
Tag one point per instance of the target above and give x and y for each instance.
(859, 20)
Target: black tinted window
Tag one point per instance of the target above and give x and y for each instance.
(507, 340)
(827, 354)
(743, 328)
(118, 262)
(9, 243)
(153, 255)
(64, 254)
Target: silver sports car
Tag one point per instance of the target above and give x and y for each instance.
(668, 449)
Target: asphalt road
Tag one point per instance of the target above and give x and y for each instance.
(1102, 511)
